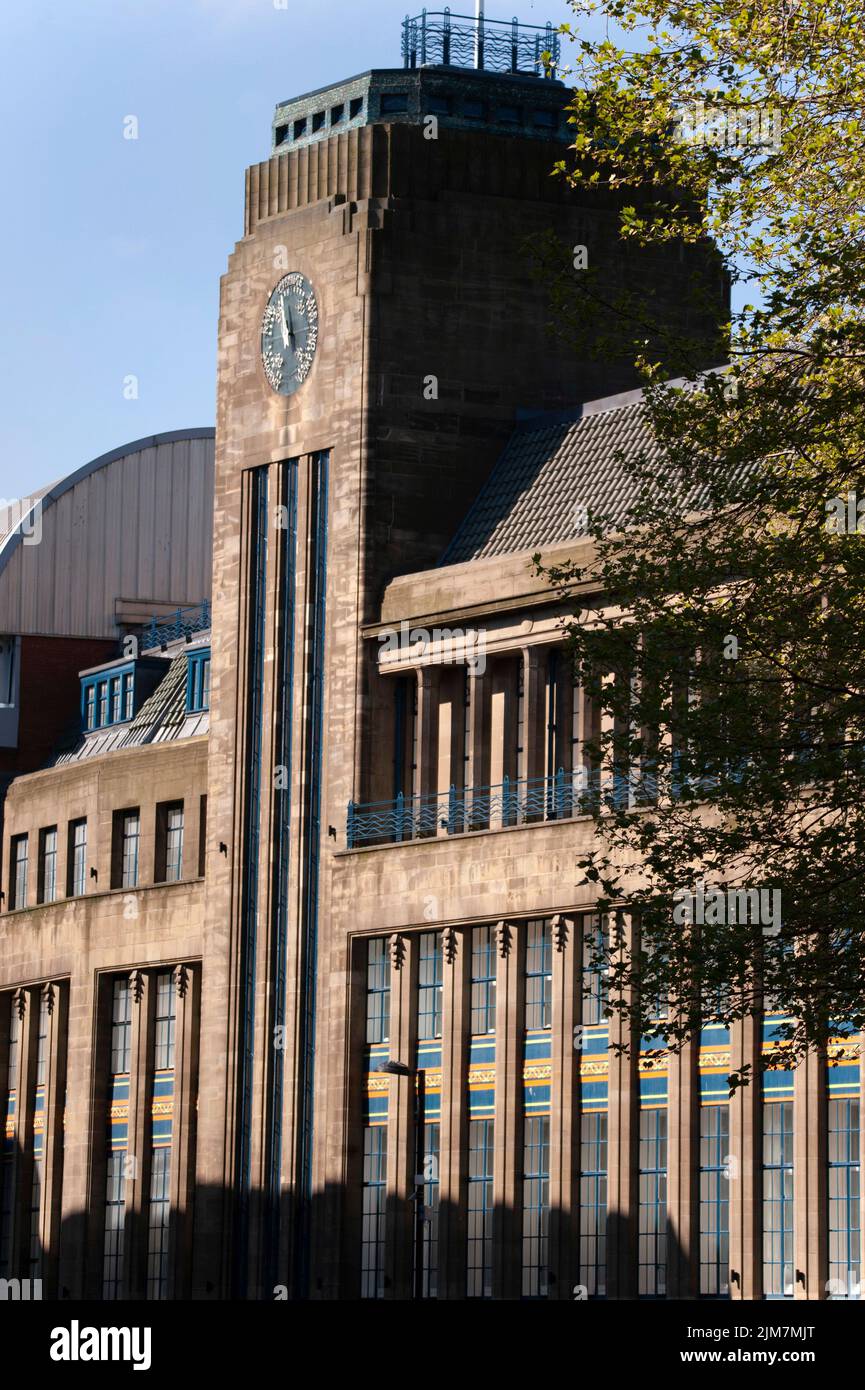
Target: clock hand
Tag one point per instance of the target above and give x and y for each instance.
(283, 324)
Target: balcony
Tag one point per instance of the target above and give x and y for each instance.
(459, 811)
(175, 627)
(437, 37)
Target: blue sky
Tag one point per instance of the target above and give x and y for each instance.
(112, 249)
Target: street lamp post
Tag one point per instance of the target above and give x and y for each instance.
(400, 1069)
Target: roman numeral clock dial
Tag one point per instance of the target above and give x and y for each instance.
(289, 334)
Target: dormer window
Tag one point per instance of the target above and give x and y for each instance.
(198, 681)
(113, 694)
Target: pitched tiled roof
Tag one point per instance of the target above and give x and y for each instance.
(162, 717)
(550, 474)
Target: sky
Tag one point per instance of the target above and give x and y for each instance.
(111, 248)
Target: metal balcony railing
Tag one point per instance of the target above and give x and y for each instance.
(495, 45)
(174, 627)
(457, 811)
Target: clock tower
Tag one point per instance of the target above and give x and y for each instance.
(380, 331)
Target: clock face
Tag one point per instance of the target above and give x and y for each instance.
(289, 333)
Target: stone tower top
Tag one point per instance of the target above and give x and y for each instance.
(493, 75)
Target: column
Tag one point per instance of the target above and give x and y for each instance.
(623, 1136)
(57, 996)
(683, 1176)
(810, 1178)
(456, 1017)
(187, 982)
(508, 1113)
(565, 1108)
(399, 1222)
(137, 1188)
(746, 1262)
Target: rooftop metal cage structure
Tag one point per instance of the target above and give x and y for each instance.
(437, 37)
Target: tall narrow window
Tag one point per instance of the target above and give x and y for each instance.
(483, 981)
(377, 992)
(35, 1261)
(539, 975)
(7, 1152)
(430, 1199)
(166, 1005)
(102, 703)
(115, 1187)
(169, 842)
(536, 1206)
(202, 835)
(115, 699)
(652, 1261)
(594, 972)
(844, 1208)
(128, 694)
(127, 838)
(159, 1211)
(47, 885)
(90, 707)
(593, 1204)
(480, 1210)
(778, 1199)
(373, 1231)
(714, 1201)
(18, 872)
(159, 1208)
(76, 859)
(429, 994)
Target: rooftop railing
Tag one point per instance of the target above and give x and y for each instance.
(493, 45)
(175, 627)
(457, 811)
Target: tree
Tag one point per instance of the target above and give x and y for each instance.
(721, 630)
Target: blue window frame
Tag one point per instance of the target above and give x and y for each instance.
(483, 981)
(429, 993)
(593, 1203)
(844, 1203)
(714, 1201)
(778, 1199)
(107, 698)
(479, 1268)
(536, 1206)
(539, 975)
(652, 1235)
(198, 681)
(377, 991)
(47, 886)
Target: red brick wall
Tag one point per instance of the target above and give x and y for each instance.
(49, 694)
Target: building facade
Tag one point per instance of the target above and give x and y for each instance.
(296, 984)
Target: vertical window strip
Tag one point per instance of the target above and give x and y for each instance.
(158, 1215)
(479, 1283)
(778, 1199)
(377, 991)
(844, 1199)
(594, 972)
(593, 1204)
(539, 975)
(48, 865)
(7, 1151)
(430, 979)
(165, 1021)
(536, 1206)
(430, 1198)
(373, 1214)
(79, 858)
(131, 836)
(174, 844)
(714, 1201)
(483, 981)
(19, 871)
(115, 1189)
(652, 1238)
